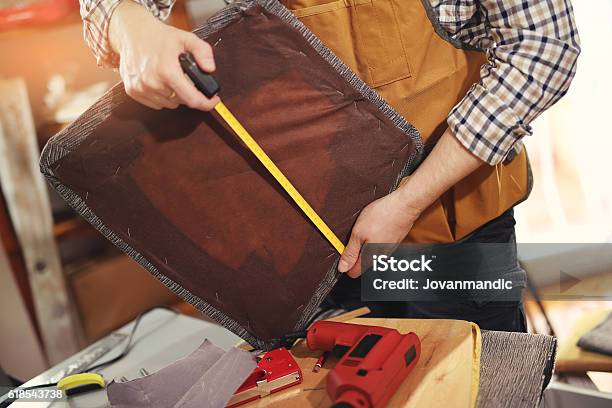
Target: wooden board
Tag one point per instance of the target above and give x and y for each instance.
(121, 279)
(27, 200)
(445, 376)
(20, 353)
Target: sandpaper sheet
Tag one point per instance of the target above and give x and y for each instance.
(206, 378)
(178, 192)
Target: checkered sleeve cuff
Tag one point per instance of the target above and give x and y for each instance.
(532, 48)
(96, 18)
(486, 126)
(96, 15)
(159, 8)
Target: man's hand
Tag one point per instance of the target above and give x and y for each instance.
(386, 220)
(389, 219)
(149, 64)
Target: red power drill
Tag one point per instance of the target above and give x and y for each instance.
(373, 361)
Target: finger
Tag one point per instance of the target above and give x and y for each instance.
(164, 101)
(147, 101)
(350, 255)
(201, 51)
(137, 92)
(208, 104)
(355, 271)
(187, 92)
(160, 93)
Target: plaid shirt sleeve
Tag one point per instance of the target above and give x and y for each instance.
(96, 16)
(532, 48)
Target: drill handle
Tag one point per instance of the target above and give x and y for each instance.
(337, 337)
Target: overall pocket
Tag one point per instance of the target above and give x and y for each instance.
(364, 34)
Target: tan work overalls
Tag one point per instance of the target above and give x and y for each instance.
(392, 46)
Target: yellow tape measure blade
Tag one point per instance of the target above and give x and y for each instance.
(254, 147)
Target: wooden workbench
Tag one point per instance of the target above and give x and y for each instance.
(513, 366)
(445, 375)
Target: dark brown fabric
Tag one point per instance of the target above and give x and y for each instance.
(182, 191)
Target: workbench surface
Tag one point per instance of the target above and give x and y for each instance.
(510, 362)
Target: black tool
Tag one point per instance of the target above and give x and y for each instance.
(206, 83)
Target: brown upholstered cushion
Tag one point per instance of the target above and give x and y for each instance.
(178, 192)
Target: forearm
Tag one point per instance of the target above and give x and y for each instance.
(97, 14)
(96, 18)
(149, 53)
(389, 219)
(127, 14)
(448, 163)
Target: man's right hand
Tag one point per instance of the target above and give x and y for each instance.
(149, 64)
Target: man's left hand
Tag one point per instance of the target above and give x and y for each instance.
(386, 221)
(389, 219)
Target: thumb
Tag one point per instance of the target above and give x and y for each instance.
(201, 51)
(350, 255)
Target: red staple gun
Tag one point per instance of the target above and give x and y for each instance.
(275, 371)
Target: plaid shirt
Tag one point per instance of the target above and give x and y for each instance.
(96, 15)
(532, 48)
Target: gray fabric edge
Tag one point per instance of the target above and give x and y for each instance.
(62, 143)
(495, 346)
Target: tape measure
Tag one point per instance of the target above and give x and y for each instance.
(209, 87)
